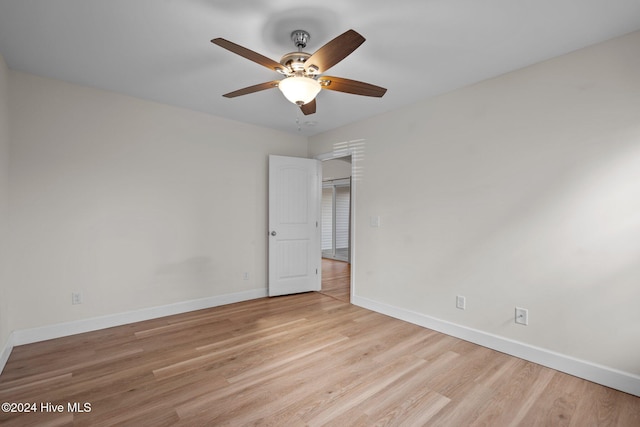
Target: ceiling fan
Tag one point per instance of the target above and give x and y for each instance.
(302, 71)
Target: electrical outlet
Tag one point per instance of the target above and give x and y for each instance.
(461, 302)
(522, 316)
(76, 298)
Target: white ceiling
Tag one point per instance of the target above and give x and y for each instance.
(160, 49)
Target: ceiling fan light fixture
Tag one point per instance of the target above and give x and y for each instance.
(299, 90)
(303, 71)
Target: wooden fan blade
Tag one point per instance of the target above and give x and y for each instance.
(351, 86)
(249, 54)
(252, 89)
(309, 107)
(334, 51)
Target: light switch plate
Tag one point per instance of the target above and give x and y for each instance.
(76, 298)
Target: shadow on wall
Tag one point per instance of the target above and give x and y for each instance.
(192, 270)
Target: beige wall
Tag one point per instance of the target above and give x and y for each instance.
(523, 190)
(4, 202)
(134, 204)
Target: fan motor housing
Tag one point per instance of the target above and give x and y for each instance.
(294, 61)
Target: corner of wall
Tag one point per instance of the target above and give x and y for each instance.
(5, 338)
(5, 352)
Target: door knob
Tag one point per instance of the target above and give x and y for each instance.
(273, 233)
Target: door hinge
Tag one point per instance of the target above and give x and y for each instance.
(316, 224)
(316, 271)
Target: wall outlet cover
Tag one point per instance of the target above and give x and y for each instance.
(522, 316)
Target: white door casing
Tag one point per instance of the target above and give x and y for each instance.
(294, 232)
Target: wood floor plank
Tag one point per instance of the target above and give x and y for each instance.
(336, 279)
(598, 406)
(346, 396)
(558, 404)
(526, 390)
(308, 359)
(394, 404)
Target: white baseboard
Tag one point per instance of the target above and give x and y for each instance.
(6, 351)
(28, 336)
(619, 380)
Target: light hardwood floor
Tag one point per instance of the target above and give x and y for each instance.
(307, 359)
(336, 277)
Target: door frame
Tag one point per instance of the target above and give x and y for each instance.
(352, 224)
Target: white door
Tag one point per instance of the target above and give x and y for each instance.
(294, 232)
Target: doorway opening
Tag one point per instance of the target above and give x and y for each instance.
(336, 229)
(336, 217)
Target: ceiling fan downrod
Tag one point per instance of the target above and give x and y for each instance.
(294, 62)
